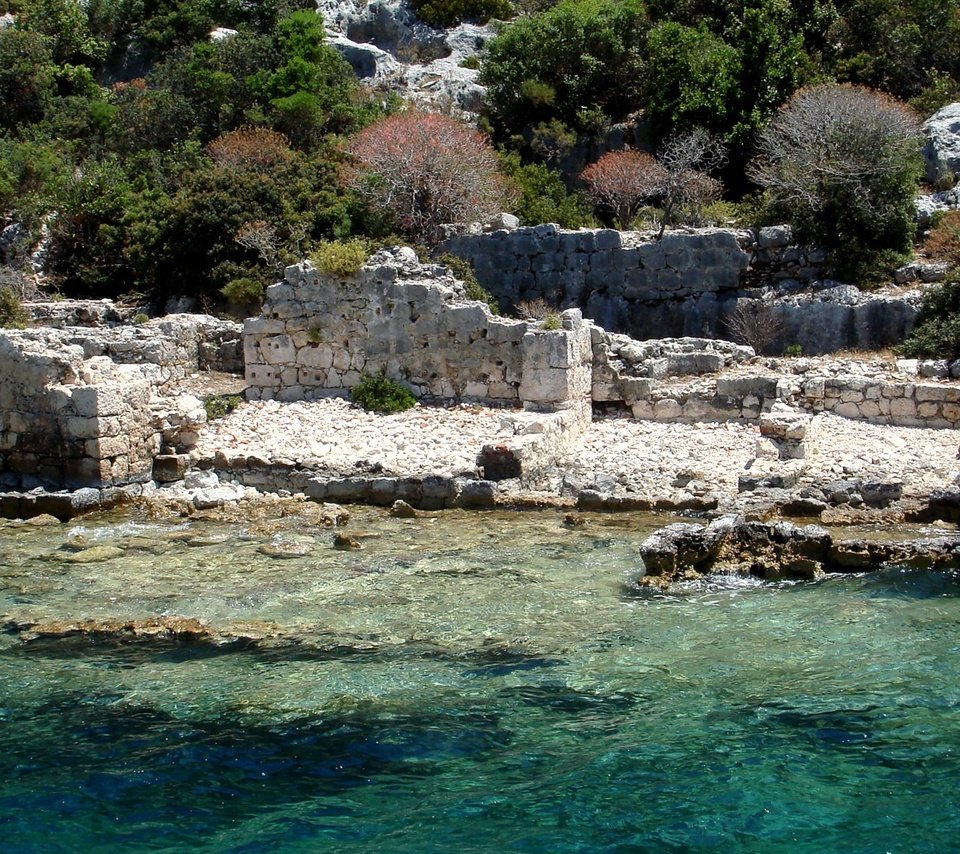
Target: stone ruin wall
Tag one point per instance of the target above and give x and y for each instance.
(86, 407)
(680, 380)
(318, 334)
(80, 407)
(685, 284)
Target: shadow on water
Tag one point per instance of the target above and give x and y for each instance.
(144, 766)
(569, 701)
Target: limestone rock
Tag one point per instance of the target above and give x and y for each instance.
(941, 148)
(95, 554)
(285, 549)
(389, 47)
(402, 510)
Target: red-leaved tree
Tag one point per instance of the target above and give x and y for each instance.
(427, 170)
(622, 181)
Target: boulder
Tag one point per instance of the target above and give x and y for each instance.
(941, 147)
(776, 550)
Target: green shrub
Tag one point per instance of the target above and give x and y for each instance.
(472, 62)
(566, 63)
(542, 197)
(337, 258)
(220, 405)
(793, 350)
(243, 291)
(140, 318)
(12, 313)
(943, 241)
(379, 393)
(936, 334)
(449, 13)
(551, 322)
(940, 91)
(720, 213)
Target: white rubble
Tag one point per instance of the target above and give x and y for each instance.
(645, 459)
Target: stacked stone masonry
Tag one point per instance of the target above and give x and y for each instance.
(687, 283)
(86, 408)
(748, 397)
(320, 334)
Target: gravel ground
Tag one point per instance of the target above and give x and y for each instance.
(646, 458)
(335, 435)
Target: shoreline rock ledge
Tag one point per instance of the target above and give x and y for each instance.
(779, 550)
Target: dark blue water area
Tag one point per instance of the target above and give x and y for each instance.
(523, 767)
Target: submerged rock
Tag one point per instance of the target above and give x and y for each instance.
(43, 520)
(346, 543)
(168, 629)
(285, 549)
(95, 554)
(402, 510)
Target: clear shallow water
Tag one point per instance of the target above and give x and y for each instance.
(485, 682)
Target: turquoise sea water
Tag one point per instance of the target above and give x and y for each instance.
(486, 682)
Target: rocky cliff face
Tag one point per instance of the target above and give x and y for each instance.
(390, 48)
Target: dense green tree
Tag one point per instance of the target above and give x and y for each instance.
(692, 80)
(571, 62)
(449, 13)
(773, 63)
(27, 76)
(87, 233)
(67, 25)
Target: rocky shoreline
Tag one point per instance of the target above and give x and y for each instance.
(330, 450)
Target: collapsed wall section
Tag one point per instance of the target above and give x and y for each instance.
(89, 407)
(68, 422)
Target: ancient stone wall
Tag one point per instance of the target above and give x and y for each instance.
(69, 422)
(319, 334)
(688, 283)
(748, 396)
(86, 408)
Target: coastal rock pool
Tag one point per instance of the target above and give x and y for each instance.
(469, 682)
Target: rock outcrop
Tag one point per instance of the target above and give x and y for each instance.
(775, 550)
(390, 48)
(941, 147)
